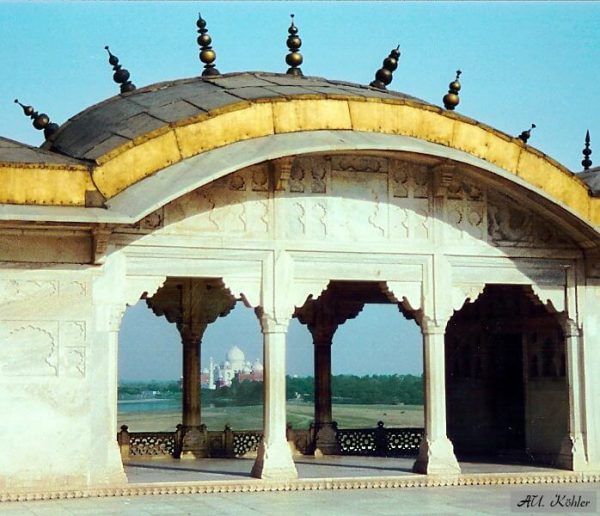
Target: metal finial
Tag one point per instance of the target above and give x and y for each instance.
(384, 75)
(451, 99)
(524, 136)
(121, 75)
(294, 58)
(587, 162)
(207, 54)
(40, 120)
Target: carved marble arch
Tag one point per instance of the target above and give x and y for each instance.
(502, 312)
(469, 294)
(344, 300)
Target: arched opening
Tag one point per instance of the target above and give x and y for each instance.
(149, 371)
(374, 406)
(507, 395)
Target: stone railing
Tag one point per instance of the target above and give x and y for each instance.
(380, 441)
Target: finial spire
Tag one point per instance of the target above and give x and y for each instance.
(384, 75)
(207, 54)
(121, 75)
(294, 58)
(524, 136)
(40, 120)
(587, 162)
(451, 99)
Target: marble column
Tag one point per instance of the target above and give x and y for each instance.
(572, 454)
(274, 459)
(192, 304)
(436, 453)
(194, 444)
(325, 427)
(323, 316)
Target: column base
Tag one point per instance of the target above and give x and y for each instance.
(436, 458)
(572, 454)
(274, 462)
(195, 443)
(325, 439)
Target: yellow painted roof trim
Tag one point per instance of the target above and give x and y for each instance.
(154, 151)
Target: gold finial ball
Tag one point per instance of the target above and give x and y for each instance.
(294, 42)
(384, 75)
(451, 100)
(207, 55)
(294, 59)
(204, 40)
(41, 121)
(454, 85)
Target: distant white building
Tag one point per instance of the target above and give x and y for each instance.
(234, 365)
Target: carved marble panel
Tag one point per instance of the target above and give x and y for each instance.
(73, 333)
(18, 289)
(409, 180)
(309, 174)
(357, 206)
(73, 363)
(235, 204)
(43, 348)
(464, 208)
(50, 297)
(512, 224)
(29, 349)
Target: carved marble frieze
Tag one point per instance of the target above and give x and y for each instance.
(513, 224)
(235, 204)
(355, 198)
(463, 204)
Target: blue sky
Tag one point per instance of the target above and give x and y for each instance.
(522, 63)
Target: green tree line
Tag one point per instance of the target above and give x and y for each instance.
(364, 390)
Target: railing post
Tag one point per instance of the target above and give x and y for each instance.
(228, 441)
(290, 435)
(124, 440)
(380, 440)
(178, 441)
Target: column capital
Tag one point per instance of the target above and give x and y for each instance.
(570, 328)
(191, 332)
(271, 324)
(431, 326)
(323, 340)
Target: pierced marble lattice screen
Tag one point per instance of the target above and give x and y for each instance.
(246, 442)
(381, 441)
(152, 443)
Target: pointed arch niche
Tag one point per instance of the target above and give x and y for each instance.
(506, 381)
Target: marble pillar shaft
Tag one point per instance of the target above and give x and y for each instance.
(274, 386)
(435, 382)
(322, 355)
(436, 453)
(191, 381)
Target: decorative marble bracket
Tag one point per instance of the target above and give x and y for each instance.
(443, 173)
(100, 239)
(282, 168)
(465, 293)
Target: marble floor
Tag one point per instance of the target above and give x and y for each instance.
(455, 500)
(171, 470)
(461, 501)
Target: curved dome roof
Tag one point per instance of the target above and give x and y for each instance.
(121, 119)
(235, 355)
(124, 157)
